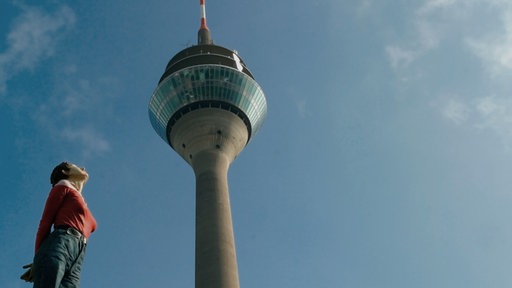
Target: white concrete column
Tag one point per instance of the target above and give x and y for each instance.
(209, 140)
(216, 265)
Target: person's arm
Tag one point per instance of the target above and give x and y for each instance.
(53, 203)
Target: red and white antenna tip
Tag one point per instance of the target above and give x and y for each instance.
(204, 33)
(203, 14)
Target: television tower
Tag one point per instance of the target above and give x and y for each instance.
(207, 106)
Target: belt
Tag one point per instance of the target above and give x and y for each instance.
(72, 231)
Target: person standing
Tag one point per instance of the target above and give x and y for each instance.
(59, 253)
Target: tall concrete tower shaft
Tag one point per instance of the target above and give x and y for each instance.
(207, 106)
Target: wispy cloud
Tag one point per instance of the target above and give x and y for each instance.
(72, 108)
(489, 113)
(495, 48)
(432, 5)
(34, 37)
(88, 138)
(400, 57)
(477, 29)
(495, 114)
(75, 109)
(437, 20)
(427, 34)
(363, 6)
(456, 111)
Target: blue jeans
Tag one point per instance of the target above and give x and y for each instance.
(58, 262)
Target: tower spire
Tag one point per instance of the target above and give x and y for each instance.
(203, 36)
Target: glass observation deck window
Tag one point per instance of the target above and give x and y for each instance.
(206, 83)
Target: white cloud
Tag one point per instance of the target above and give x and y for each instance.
(427, 35)
(495, 48)
(437, 20)
(490, 113)
(400, 57)
(69, 113)
(456, 111)
(87, 140)
(75, 103)
(432, 5)
(495, 114)
(33, 38)
(363, 7)
(487, 106)
(76, 98)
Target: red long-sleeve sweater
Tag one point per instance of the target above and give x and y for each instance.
(65, 206)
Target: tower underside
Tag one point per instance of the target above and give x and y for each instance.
(208, 129)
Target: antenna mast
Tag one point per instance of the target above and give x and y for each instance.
(203, 36)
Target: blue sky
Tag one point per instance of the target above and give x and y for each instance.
(384, 160)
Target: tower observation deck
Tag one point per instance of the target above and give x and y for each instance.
(207, 106)
(206, 76)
